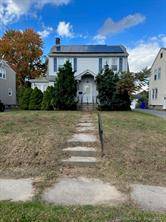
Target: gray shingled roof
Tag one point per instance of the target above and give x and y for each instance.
(88, 49)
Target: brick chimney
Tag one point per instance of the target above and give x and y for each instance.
(58, 41)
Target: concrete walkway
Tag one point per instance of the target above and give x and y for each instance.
(83, 191)
(80, 190)
(16, 189)
(158, 113)
(151, 198)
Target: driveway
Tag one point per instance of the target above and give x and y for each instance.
(161, 114)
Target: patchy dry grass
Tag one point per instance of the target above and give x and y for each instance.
(135, 148)
(31, 142)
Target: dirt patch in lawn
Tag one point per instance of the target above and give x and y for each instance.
(31, 142)
(135, 148)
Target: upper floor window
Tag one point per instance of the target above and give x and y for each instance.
(61, 61)
(155, 74)
(2, 73)
(161, 55)
(159, 73)
(114, 61)
(105, 61)
(114, 68)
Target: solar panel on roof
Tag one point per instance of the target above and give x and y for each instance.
(89, 49)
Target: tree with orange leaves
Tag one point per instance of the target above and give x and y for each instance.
(23, 51)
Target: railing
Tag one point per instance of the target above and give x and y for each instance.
(101, 137)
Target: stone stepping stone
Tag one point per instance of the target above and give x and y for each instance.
(81, 151)
(85, 121)
(16, 189)
(80, 161)
(85, 128)
(82, 137)
(83, 191)
(85, 124)
(149, 197)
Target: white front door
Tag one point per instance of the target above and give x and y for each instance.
(87, 93)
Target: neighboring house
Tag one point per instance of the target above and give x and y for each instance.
(7, 84)
(87, 61)
(157, 84)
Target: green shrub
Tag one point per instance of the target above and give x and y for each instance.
(110, 98)
(65, 89)
(36, 99)
(2, 106)
(24, 98)
(47, 98)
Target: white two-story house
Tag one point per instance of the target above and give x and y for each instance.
(87, 61)
(157, 84)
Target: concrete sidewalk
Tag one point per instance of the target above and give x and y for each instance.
(158, 113)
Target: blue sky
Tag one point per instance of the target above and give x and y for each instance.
(137, 24)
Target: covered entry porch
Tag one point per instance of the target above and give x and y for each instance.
(86, 88)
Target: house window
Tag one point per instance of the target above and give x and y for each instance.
(9, 92)
(2, 73)
(100, 64)
(120, 64)
(62, 61)
(104, 62)
(75, 64)
(155, 74)
(114, 61)
(161, 55)
(154, 93)
(114, 67)
(159, 73)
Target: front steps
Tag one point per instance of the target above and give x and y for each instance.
(80, 161)
(81, 152)
(87, 107)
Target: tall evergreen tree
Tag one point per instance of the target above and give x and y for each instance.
(106, 86)
(36, 99)
(65, 88)
(24, 98)
(48, 95)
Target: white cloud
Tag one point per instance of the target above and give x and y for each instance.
(12, 10)
(144, 53)
(64, 29)
(111, 27)
(45, 32)
(99, 39)
(41, 3)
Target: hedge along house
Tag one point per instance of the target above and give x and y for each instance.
(7, 84)
(87, 61)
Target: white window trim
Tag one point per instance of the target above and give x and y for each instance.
(3, 72)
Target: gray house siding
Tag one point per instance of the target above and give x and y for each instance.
(8, 86)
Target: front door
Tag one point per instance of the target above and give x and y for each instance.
(87, 93)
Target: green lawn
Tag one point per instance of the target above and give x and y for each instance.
(39, 212)
(135, 147)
